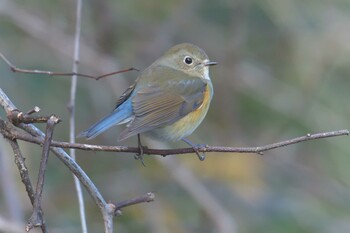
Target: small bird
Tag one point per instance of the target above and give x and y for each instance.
(168, 100)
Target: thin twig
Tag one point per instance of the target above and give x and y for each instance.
(8, 106)
(36, 109)
(36, 218)
(148, 197)
(17, 117)
(71, 108)
(117, 72)
(6, 127)
(23, 171)
(51, 73)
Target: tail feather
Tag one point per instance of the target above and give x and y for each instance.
(114, 118)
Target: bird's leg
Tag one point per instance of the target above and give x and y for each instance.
(195, 148)
(140, 154)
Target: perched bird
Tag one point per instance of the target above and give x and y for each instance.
(167, 101)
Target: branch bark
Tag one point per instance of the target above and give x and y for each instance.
(36, 219)
(6, 129)
(11, 132)
(23, 171)
(148, 197)
(15, 69)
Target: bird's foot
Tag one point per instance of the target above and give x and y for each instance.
(197, 148)
(139, 156)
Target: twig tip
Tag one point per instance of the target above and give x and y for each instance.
(151, 197)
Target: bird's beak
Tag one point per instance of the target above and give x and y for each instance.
(210, 63)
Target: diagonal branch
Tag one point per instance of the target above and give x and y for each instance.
(36, 218)
(9, 131)
(34, 132)
(23, 171)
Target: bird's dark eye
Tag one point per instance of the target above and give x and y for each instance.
(188, 60)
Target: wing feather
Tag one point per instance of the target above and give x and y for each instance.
(156, 106)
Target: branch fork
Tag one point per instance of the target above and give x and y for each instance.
(11, 133)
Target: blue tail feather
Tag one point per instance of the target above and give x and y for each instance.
(123, 112)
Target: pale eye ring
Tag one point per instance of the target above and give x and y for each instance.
(188, 60)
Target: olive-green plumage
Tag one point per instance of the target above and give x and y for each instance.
(167, 101)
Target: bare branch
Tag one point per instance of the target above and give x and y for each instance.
(9, 131)
(23, 171)
(117, 72)
(6, 103)
(36, 218)
(34, 110)
(71, 108)
(114, 209)
(148, 197)
(13, 133)
(52, 73)
(17, 117)
(35, 133)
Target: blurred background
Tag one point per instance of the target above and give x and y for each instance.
(283, 72)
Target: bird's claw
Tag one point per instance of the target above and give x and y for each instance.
(140, 154)
(197, 148)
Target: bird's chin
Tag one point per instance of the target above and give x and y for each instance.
(206, 73)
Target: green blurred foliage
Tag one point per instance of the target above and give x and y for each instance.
(283, 72)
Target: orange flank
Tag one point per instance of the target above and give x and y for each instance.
(186, 125)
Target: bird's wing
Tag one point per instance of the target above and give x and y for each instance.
(126, 94)
(160, 105)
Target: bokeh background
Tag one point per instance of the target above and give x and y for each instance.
(283, 72)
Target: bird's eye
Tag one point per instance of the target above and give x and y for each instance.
(188, 60)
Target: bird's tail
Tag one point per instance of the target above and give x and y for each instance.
(118, 116)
